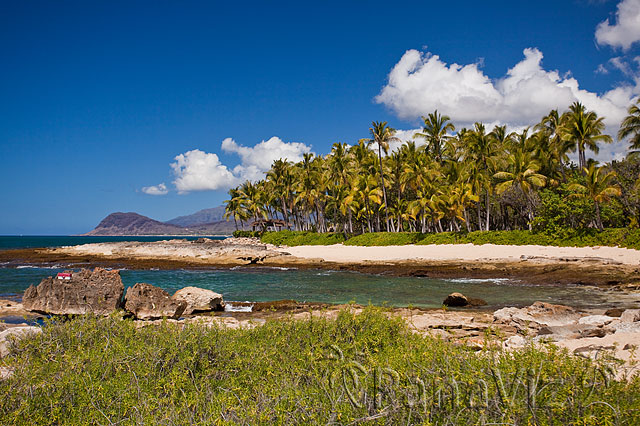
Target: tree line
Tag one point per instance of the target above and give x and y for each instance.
(469, 179)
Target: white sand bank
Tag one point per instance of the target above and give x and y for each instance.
(469, 252)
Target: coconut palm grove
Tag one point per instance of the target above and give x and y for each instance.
(448, 179)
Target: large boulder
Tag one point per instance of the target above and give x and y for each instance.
(199, 300)
(98, 291)
(456, 299)
(148, 302)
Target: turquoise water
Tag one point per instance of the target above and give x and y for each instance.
(16, 242)
(264, 284)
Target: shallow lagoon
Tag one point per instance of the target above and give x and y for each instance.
(264, 284)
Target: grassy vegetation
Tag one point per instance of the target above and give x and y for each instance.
(621, 237)
(356, 368)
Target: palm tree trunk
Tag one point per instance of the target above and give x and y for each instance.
(598, 217)
(284, 210)
(466, 219)
(581, 158)
(384, 191)
(488, 210)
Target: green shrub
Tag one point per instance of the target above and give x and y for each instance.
(94, 370)
(564, 237)
(245, 234)
(384, 239)
(301, 238)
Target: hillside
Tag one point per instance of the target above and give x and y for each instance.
(204, 216)
(135, 224)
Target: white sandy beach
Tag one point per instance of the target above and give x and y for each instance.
(465, 252)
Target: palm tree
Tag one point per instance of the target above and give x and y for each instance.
(435, 131)
(235, 208)
(281, 177)
(482, 148)
(631, 127)
(597, 188)
(521, 173)
(382, 135)
(551, 149)
(584, 130)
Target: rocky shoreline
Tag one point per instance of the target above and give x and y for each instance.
(583, 332)
(206, 253)
(593, 333)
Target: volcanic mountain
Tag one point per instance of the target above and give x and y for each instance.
(135, 224)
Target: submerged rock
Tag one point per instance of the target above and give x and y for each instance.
(199, 300)
(98, 291)
(148, 302)
(455, 300)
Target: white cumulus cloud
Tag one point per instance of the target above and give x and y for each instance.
(156, 189)
(421, 83)
(197, 170)
(626, 29)
(257, 160)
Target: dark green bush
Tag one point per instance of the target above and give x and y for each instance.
(317, 371)
(622, 237)
(301, 238)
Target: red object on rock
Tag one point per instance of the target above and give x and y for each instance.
(64, 275)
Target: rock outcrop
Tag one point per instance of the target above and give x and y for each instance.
(98, 291)
(12, 333)
(199, 300)
(536, 316)
(456, 299)
(147, 302)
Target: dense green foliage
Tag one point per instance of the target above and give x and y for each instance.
(564, 237)
(301, 238)
(356, 368)
(385, 239)
(457, 180)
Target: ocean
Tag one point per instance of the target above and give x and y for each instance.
(322, 286)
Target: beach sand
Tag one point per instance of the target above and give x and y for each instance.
(340, 253)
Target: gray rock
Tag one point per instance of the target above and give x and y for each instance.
(199, 300)
(591, 351)
(595, 320)
(456, 299)
(12, 333)
(147, 302)
(513, 342)
(98, 291)
(630, 315)
(532, 318)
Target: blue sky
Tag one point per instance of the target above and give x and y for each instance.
(99, 99)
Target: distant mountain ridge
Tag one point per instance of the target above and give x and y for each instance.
(215, 214)
(136, 224)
